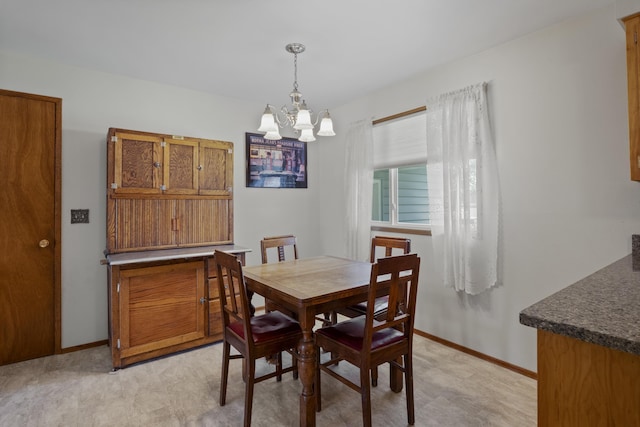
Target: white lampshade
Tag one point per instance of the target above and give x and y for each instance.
(306, 135)
(303, 120)
(273, 135)
(268, 123)
(326, 127)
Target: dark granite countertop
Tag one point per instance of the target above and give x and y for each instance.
(603, 309)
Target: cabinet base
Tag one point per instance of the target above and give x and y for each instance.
(123, 362)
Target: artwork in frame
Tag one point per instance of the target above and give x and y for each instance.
(275, 164)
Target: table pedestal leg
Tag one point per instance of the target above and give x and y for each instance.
(306, 372)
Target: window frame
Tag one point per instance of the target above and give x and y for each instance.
(393, 225)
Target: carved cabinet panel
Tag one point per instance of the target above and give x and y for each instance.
(137, 163)
(215, 168)
(181, 166)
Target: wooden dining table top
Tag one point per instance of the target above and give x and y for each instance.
(314, 281)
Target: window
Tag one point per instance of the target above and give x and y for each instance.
(400, 172)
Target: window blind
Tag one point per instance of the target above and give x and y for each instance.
(400, 142)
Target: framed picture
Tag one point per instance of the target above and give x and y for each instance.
(275, 164)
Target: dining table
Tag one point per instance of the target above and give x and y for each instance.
(308, 287)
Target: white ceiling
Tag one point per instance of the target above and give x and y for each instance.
(236, 47)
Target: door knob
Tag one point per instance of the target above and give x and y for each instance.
(43, 243)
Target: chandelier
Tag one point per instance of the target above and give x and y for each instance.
(299, 116)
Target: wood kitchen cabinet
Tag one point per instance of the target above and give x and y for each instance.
(585, 384)
(148, 163)
(167, 191)
(201, 167)
(163, 301)
(632, 25)
(169, 207)
(145, 223)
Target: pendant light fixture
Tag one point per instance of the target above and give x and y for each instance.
(298, 116)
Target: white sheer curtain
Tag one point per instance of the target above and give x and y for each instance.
(358, 192)
(463, 188)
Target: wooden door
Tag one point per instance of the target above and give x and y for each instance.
(30, 150)
(216, 168)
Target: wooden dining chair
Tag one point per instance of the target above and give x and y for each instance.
(379, 245)
(389, 246)
(253, 337)
(367, 342)
(283, 245)
(280, 245)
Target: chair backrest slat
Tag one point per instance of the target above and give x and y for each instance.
(278, 242)
(233, 292)
(389, 244)
(399, 274)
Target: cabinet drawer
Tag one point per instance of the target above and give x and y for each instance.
(213, 288)
(211, 268)
(215, 318)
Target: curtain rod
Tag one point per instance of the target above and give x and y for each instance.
(397, 116)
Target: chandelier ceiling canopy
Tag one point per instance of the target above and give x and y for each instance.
(298, 116)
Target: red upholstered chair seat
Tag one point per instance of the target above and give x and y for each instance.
(351, 333)
(268, 327)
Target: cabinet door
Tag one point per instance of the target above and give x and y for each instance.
(633, 78)
(144, 224)
(161, 306)
(181, 166)
(137, 163)
(216, 168)
(202, 222)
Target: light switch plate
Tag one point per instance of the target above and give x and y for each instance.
(79, 216)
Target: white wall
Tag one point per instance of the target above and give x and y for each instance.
(558, 104)
(626, 8)
(93, 102)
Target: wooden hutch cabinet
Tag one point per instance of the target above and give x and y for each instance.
(169, 207)
(167, 191)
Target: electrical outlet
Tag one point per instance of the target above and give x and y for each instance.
(79, 216)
